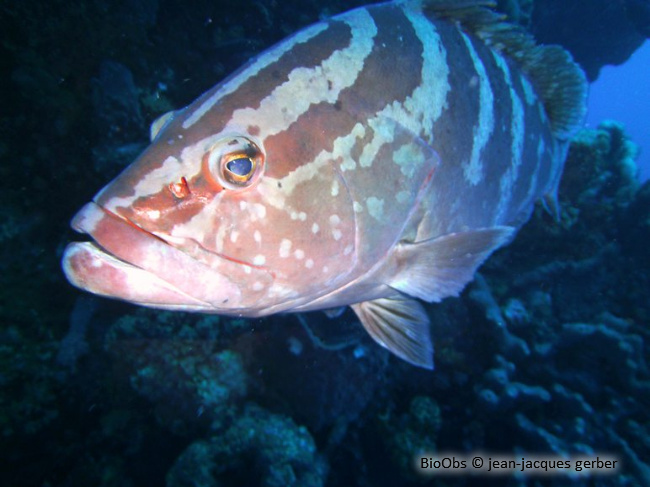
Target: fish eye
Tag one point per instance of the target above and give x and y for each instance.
(238, 168)
(234, 163)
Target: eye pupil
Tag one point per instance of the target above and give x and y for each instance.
(241, 166)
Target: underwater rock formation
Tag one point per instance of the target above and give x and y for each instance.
(583, 387)
(596, 32)
(259, 448)
(191, 382)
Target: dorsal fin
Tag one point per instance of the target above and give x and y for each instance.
(558, 80)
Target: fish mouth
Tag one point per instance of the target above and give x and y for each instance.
(127, 262)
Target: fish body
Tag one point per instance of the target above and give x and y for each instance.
(372, 159)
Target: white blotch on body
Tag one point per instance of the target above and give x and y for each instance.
(285, 248)
(375, 207)
(403, 196)
(335, 188)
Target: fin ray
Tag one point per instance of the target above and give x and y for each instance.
(400, 325)
(434, 269)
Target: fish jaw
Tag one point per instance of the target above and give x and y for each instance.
(130, 263)
(88, 267)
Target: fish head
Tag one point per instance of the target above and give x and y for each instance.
(212, 217)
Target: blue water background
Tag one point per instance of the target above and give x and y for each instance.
(622, 93)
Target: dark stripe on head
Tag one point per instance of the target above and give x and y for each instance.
(392, 71)
(313, 132)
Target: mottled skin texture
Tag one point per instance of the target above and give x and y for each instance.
(390, 154)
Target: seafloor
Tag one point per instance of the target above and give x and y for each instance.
(544, 353)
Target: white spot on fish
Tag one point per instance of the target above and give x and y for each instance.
(258, 286)
(294, 215)
(336, 233)
(221, 235)
(348, 250)
(375, 207)
(153, 214)
(358, 207)
(259, 210)
(302, 216)
(315, 228)
(403, 196)
(309, 263)
(259, 260)
(242, 205)
(325, 269)
(299, 254)
(247, 269)
(335, 220)
(257, 236)
(234, 235)
(348, 164)
(285, 248)
(409, 158)
(335, 188)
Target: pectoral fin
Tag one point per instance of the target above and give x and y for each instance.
(435, 269)
(401, 325)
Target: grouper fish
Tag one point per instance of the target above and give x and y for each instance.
(374, 159)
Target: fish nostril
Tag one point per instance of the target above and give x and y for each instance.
(180, 190)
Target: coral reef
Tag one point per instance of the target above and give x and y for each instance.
(258, 449)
